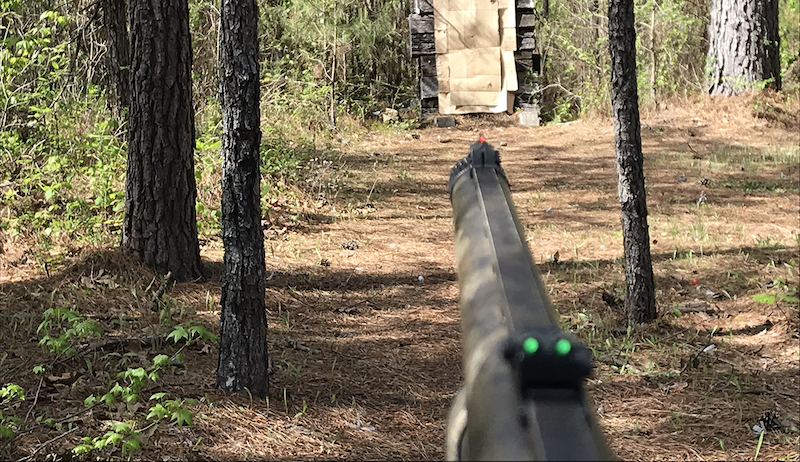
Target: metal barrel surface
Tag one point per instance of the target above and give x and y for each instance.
(523, 395)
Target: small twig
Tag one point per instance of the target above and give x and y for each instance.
(144, 341)
(160, 291)
(356, 303)
(75, 414)
(35, 400)
(693, 359)
(373, 186)
(347, 280)
(44, 445)
(674, 334)
(64, 419)
(769, 392)
(296, 297)
(560, 87)
(183, 347)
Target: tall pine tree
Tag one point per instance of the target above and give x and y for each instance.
(243, 356)
(639, 288)
(159, 224)
(743, 46)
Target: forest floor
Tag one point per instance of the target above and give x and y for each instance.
(362, 302)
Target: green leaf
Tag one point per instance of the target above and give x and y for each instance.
(90, 400)
(136, 374)
(765, 298)
(157, 411)
(182, 416)
(11, 390)
(158, 395)
(6, 432)
(122, 427)
(201, 333)
(161, 360)
(109, 399)
(178, 333)
(788, 298)
(113, 438)
(130, 446)
(82, 449)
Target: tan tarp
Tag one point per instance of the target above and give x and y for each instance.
(475, 43)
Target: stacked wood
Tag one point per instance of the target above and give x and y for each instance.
(423, 52)
(528, 62)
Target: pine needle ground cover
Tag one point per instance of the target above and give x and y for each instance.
(362, 302)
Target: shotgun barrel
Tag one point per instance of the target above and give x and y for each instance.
(523, 396)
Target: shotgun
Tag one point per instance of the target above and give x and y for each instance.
(523, 396)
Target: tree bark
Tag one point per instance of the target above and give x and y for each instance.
(744, 46)
(639, 288)
(160, 225)
(243, 357)
(118, 59)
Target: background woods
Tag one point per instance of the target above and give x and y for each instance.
(102, 356)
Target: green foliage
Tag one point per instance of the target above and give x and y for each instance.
(61, 158)
(670, 40)
(126, 391)
(128, 435)
(359, 49)
(172, 408)
(282, 159)
(316, 56)
(68, 184)
(123, 432)
(69, 328)
(789, 33)
(8, 423)
(33, 59)
(190, 333)
(573, 41)
(782, 291)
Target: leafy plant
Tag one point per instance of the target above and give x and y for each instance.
(8, 423)
(128, 388)
(127, 435)
(772, 297)
(190, 333)
(123, 432)
(172, 408)
(70, 328)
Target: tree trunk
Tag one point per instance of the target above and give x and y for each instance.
(639, 289)
(243, 323)
(744, 46)
(118, 59)
(159, 225)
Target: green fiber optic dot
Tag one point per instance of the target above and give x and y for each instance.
(530, 345)
(563, 346)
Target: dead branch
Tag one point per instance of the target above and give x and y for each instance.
(168, 279)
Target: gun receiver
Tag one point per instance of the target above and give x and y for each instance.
(523, 396)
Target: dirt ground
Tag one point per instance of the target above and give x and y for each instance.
(362, 300)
